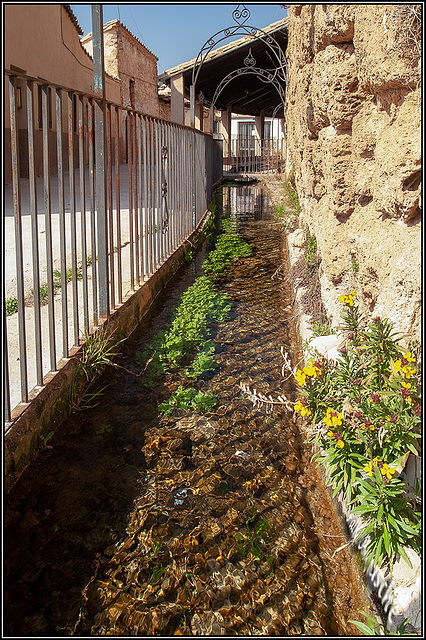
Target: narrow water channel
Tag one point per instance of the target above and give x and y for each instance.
(136, 523)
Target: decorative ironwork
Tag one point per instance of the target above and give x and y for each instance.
(262, 74)
(276, 75)
(238, 14)
(249, 60)
(241, 14)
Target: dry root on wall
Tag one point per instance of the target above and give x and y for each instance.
(354, 136)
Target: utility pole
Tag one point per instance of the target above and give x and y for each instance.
(100, 159)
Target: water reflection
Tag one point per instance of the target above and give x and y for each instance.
(247, 202)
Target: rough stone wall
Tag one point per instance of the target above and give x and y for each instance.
(354, 145)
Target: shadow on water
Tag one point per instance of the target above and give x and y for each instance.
(135, 523)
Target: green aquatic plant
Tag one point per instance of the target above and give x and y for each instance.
(199, 308)
(103, 428)
(203, 361)
(257, 534)
(188, 399)
(229, 246)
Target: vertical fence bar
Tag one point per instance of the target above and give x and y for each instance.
(71, 176)
(173, 204)
(82, 167)
(150, 196)
(153, 197)
(129, 168)
(157, 196)
(18, 241)
(93, 260)
(48, 228)
(100, 160)
(62, 238)
(169, 188)
(34, 233)
(140, 206)
(135, 198)
(6, 413)
(117, 204)
(145, 200)
(162, 187)
(110, 209)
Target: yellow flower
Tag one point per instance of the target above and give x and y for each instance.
(332, 419)
(387, 471)
(409, 357)
(337, 420)
(304, 411)
(407, 385)
(300, 377)
(311, 370)
(369, 468)
(397, 366)
(408, 371)
(348, 299)
(372, 427)
(330, 434)
(340, 444)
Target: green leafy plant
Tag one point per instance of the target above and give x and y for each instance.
(103, 428)
(97, 352)
(45, 439)
(229, 245)
(354, 264)
(372, 627)
(188, 399)
(321, 328)
(294, 198)
(257, 534)
(200, 306)
(363, 415)
(203, 361)
(11, 306)
(311, 252)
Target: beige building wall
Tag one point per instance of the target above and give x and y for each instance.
(42, 41)
(135, 67)
(133, 64)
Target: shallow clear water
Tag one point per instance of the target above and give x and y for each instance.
(186, 524)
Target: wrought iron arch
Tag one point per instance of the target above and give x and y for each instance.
(250, 68)
(240, 15)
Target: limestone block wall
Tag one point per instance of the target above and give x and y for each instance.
(354, 146)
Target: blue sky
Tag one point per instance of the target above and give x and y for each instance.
(176, 32)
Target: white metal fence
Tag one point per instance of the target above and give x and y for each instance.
(158, 182)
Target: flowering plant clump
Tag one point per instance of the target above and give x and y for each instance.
(363, 416)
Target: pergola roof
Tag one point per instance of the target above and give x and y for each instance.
(248, 94)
